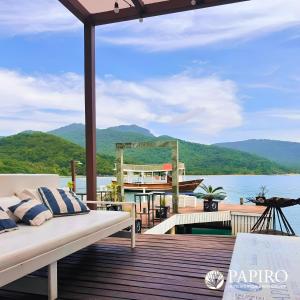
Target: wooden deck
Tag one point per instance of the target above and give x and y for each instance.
(160, 267)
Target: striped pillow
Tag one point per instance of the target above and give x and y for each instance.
(62, 202)
(6, 223)
(31, 212)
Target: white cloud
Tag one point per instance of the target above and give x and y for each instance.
(207, 105)
(35, 16)
(233, 22)
(287, 114)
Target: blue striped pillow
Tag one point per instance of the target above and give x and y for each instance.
(31, 212)
(6, 223)
(62, 202)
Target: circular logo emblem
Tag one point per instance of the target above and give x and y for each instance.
(214, 280)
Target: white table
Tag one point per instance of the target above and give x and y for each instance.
(270, 264)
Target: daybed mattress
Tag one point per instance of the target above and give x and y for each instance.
(30, 241)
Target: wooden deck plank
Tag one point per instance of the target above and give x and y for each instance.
(161, 267)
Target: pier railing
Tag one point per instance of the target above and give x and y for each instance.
(243, 222)
(191, 218)
(240, 222)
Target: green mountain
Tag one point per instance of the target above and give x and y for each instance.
(106, 138)
(198, 158)
(284, 153)
(37, 152)
(132, 129)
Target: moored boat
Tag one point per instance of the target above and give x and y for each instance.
(157, 177)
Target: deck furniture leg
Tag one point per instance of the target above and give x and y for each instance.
(133, 209)
(287, 225)
(260, 220)
(149, 213)
(153, 223)
(52, 281)
(160, 210)
(268, 219)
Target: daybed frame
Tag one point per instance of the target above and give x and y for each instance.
(10, 275)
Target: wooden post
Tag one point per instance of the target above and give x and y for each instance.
(173, 230)
(120, 171)
(73, 175)
(90, 112)
(175, 181)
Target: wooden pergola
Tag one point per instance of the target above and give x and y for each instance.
(173, 145)
(99, 12)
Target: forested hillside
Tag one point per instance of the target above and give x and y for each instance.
(37, 152)
(199, 158)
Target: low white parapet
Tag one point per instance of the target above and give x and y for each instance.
(192, 218)
(243, 222)
(240, 222)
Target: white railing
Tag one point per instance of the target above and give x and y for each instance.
(194, 218)
(243, 222)
(240, 222)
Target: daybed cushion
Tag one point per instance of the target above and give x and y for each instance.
(62, 202)
(6, 202)
(31, 212)
(29, 241)
(6, 223)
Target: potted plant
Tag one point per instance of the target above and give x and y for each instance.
(211, 196)
(113, 196)
(70, 186)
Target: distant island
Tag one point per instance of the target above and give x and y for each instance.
(39, 152)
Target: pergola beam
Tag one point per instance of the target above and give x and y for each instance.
(140, 6)
(76, 9)
(153, 9)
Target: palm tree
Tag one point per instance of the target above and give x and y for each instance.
(211, 193)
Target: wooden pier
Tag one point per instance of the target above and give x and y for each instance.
(242, 210)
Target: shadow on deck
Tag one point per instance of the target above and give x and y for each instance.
(160, 267)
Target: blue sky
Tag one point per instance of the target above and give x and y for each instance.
(219, 74)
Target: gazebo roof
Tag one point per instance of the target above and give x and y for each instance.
(99, 12)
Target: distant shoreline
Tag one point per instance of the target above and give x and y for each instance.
(288, 174)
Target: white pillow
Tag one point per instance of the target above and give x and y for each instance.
(30, 193)
(6, 202)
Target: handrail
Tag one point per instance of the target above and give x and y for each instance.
(192, 218)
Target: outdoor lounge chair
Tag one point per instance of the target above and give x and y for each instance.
(31, 248)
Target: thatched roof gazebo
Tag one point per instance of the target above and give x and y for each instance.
(99, 12)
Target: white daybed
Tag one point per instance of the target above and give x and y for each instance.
(30, 248)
